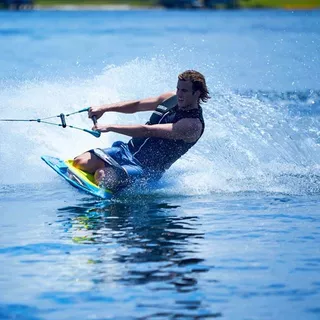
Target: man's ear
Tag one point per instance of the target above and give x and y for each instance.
(197, 93)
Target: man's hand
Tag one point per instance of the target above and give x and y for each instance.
(95, 111)
(101, 128)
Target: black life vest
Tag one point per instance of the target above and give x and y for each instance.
(158, 154)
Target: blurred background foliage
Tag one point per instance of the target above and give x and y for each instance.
(211, 4)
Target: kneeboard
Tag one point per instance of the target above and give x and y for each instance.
(76, 177)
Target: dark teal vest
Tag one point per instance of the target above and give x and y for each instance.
(158, 154)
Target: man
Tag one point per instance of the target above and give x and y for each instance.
(174, 127)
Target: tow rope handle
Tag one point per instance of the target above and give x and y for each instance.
(95, 133)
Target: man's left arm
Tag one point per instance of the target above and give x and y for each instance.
(188, 129)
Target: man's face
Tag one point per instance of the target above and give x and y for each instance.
(186, 96)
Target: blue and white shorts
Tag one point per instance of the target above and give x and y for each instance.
(121, 159)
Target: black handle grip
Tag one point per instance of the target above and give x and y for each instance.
(63, 120)
(94, 119)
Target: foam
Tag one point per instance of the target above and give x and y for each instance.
(248, 144)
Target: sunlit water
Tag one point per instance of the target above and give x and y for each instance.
(232, 230)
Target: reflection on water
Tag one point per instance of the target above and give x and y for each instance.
(145, 243)
(159, 257)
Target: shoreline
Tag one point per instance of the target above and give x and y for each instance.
(127, 7)
(72, 7)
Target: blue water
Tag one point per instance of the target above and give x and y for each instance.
(231, 231)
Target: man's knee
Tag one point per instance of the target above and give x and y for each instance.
(88, 162)
(79, 161)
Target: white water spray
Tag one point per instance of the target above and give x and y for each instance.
(248, 145)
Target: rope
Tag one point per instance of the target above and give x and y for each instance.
(63, 123)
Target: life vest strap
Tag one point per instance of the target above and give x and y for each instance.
(163, 108)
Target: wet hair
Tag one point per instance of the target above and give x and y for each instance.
(198, 83)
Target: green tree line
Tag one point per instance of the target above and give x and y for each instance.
(299, 4)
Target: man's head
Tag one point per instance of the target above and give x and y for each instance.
(191, 89)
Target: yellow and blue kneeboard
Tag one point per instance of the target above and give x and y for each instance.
(76, 177)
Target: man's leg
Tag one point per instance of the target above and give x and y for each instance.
(104, 175)
(108, 178)
(88, 162)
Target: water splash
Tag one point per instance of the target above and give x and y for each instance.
(257, 145)
(254, 141)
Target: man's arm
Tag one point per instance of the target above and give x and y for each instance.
(188, 129)
(131, 106)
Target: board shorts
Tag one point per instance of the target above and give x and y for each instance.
(127, 167)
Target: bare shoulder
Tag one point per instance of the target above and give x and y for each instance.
(190, 129)
(191, 123)
(163, 97)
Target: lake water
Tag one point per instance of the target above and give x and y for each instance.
(231, 231)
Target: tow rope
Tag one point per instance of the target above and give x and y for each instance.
(63, 123)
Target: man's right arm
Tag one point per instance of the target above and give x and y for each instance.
(131, 106)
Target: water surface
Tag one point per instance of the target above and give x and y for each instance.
(231, 231)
